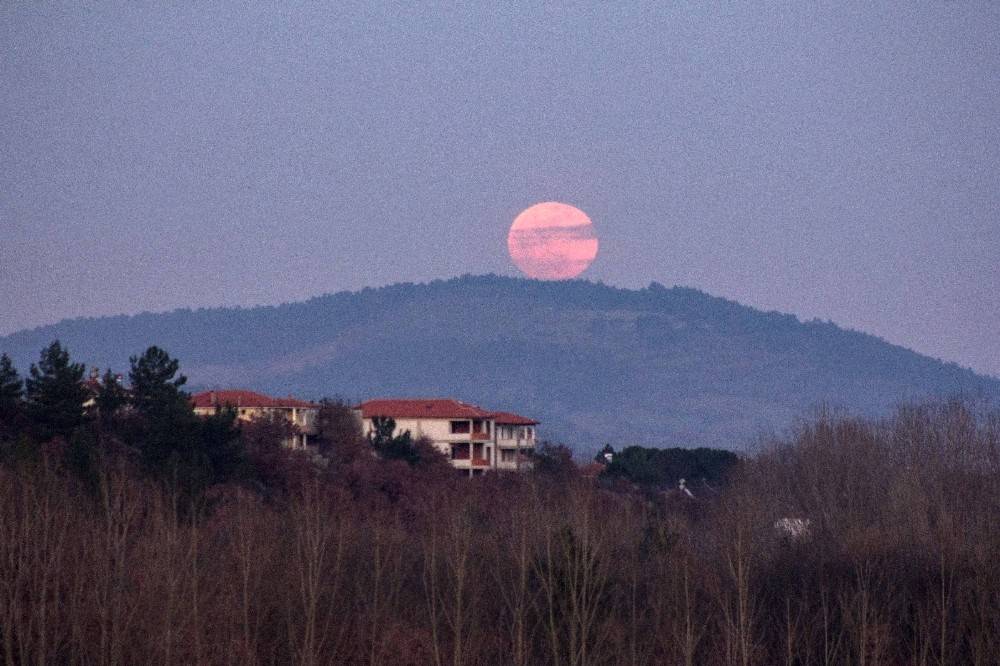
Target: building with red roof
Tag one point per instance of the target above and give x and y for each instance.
(92, 385)
(249, 405)
(473, 438)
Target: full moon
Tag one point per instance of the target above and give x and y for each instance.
(552, 241)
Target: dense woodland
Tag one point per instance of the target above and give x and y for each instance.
(134, 532)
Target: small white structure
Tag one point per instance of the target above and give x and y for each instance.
(682, 486)
(793, 528)
(249, 405)
(474, 440)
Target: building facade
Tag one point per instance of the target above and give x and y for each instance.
(473, 439)
(515, 440)
(249, 405)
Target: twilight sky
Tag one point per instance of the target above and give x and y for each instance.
(841, 163)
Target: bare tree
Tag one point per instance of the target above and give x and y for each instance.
(319, 533)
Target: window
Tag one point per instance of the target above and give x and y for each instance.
(459, 427)
(506, 455)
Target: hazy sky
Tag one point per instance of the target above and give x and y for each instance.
(841, 163)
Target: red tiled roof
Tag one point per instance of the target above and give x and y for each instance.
(415, 408)
(246, 399)
(509, 418)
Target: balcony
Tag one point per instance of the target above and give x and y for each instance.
(470, 463)
(465, 437)
(520, 440)
(515, 460)
(523, 465)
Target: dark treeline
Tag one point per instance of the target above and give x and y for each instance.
(662, 468)
(132, 532)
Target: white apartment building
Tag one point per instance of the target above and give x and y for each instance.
(515, 440)
(474, 440)
(249, 405)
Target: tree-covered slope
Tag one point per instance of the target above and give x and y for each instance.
(656, 366)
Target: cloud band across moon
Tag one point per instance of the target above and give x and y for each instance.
(552, 241)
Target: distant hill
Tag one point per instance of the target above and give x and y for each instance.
(655, 366)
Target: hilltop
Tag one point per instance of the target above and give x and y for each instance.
(654, 366)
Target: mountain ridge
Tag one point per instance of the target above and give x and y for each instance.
(655, 366)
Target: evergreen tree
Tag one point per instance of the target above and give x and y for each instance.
(382, 429)
(11, 396)
(389, 447)
(554, 460)
(663, 468)
(221, 453)
(174, 444)
(165, 432)
(111, 397)
(156, 386)
(55, 394)
(339, 432)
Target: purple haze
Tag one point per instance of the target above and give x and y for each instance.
(839, 163)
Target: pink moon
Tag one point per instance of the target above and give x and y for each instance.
(552, 241)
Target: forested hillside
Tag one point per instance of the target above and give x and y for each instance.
(655, 366)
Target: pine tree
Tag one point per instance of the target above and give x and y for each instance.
(221, 454)
(156, 386)
(166, 434)
(55, 394)
(111, 397)
(382, 431)
(389, 447)
(11, 396)
(339, 432)
(176, 445)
